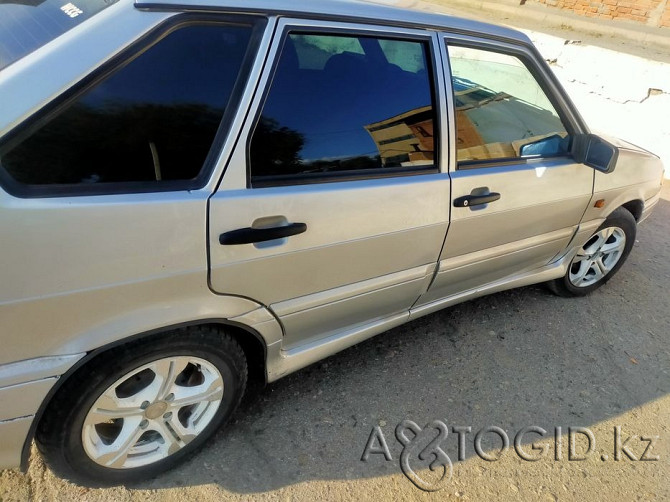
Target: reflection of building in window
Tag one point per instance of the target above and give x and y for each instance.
(494, 125)
(469, 142)
(406, 139)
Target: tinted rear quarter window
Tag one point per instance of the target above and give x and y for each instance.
(151, 121)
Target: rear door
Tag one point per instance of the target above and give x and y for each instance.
(517, 193)
(334, 206)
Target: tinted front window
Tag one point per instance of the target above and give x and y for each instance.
(501, 110)
(26, 25)
(342, 104)
(153, 120)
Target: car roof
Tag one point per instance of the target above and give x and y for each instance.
(371, 11)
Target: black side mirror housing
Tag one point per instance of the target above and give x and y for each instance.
(595, 152)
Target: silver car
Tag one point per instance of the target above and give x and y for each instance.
(194, 193)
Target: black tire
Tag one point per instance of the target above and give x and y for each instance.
(59, 432)
(620, 219)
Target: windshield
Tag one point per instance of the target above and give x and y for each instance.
(26, 25)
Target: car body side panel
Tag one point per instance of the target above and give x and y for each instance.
(540, 207)
(469, 271)
(126, 265)
(13, 434)
(355, 302)
(111, 255)
(402, 236)
(23, 399)
(87, 320)
(637, 177)
(38, 368)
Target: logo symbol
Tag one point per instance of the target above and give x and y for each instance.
(71, 10)
(411, 449)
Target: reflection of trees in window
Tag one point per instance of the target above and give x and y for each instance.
(361, 162)
(314, 51)
(275, 149)
(112, 144)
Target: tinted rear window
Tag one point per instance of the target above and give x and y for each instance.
(26, 25)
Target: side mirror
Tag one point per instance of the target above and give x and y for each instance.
(546, 147)
(595, 152)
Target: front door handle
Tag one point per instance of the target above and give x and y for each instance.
(255, 235)
(476, 200)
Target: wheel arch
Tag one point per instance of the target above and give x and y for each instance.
(634, 207)
(631, 201)
(250, 340)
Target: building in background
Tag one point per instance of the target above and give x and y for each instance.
(650, 12)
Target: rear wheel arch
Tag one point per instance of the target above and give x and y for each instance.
(251, 342)
(143, 407)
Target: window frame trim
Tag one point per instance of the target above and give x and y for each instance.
(136, 48)
(530, 57)
(287, 26)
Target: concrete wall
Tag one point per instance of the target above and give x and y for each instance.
(650, 12)
(612, 101)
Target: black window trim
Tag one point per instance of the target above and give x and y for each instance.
(359, 175)
(138, 47)
(556, 97)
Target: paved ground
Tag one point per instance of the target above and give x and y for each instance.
(512, 360)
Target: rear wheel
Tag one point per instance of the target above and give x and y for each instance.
(139, 409)
(600, 258)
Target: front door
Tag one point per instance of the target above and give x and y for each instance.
(517, 193)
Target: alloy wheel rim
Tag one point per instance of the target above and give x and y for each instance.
(152, 412)
(598, 257)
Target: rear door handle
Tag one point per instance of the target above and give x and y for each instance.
(476, 200)
(255, 235)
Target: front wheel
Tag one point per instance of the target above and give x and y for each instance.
(600, 258)
(139, 409)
